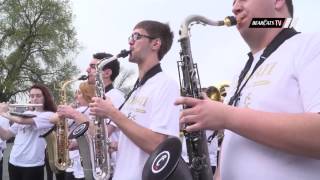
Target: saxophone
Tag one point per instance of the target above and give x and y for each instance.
(57, 137)
(197, 149)
(98, 141)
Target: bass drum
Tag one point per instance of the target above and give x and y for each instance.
(165, 163)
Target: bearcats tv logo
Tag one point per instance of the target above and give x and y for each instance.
(160, 162)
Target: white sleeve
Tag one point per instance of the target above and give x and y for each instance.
(42, 120)
(307, 68)
(117, 98)
(165, 115)
(4, 123)
(14, 128)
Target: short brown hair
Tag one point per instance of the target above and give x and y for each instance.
(158, 30)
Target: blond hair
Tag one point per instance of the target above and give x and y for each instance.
(87, 90)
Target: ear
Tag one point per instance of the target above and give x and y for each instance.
(279, 4)
(156, 43)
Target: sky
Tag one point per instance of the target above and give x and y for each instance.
(220, 52)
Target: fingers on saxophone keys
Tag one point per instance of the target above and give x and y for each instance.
(193, 127)
(188, 101)
(188, 119)
(188, 112)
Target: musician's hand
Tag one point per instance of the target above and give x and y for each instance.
(66, 111)
(101, 108)
(54, 119)
(203, 114)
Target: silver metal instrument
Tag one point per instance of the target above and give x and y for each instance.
(197, 149)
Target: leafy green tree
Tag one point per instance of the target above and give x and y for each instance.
(124, 81)
(37, 43)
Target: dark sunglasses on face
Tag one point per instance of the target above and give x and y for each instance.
(136, 36)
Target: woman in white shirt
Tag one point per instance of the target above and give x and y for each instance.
(27, 155)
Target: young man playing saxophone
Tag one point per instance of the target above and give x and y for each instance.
(148, 116)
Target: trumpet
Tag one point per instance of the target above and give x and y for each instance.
(17, 109)
(25, 105)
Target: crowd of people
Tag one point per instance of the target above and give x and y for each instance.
(269, 119)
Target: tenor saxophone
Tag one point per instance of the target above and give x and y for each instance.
(197, 149)
(57, 138)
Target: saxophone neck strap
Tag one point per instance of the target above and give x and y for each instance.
(272, 47)
(150, 73)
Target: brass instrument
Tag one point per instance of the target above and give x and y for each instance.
(25, 105)
(98, 141)
(20, 108)
(213, 93)
(197, 149)
(57, 138)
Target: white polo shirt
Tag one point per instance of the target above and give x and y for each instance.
(286, 82)
(28, 148)
(151, 106)
(117, 98)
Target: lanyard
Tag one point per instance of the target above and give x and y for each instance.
(273, 46)
(153, 71)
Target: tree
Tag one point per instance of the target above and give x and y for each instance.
(123, 80)
(37, 41)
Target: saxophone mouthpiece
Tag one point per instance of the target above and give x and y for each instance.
(124, 53)
(230, 21)
(83, 77)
